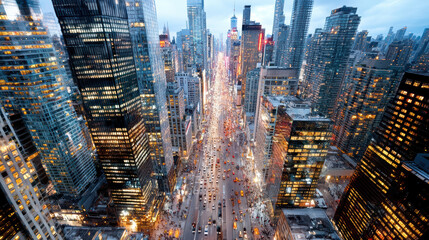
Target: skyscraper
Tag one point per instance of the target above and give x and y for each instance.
(152, 84)
(281, 50)
(301, 13)
(366, 90)
(184, 48)
(32, 83)
(399, 52)
(197, 26)
(252, 42)
(332, 49)
(279, 19)
(112, 101)
(293, 144)
(246, 15)
(360, 40)
(23, 214)
(387, 195)
(252, 89)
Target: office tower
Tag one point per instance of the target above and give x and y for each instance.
(387, 195)
(400, 34)
(326, 69)
(251, 46)
(234, 62)
(246, 15)
(360, 40)
(279, 19)
(112, 101)
(184, 48)
(33, 84)
(180, 124)
(197, 26)
(234, 21)
(293, 144)
(366, 90)
(399, 52)
(252, 89)
(301, 13)
(279, 81)
(281, 49)
(23, 215)
(152, 84)
(51, 22)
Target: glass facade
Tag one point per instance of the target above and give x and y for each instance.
(152, 84)
(252, 88)
(31, 82)
(328, 60)
(20, 191)
(251, 49)
(366, 90)
(197, 26)
(301, 13)
(99, 43)
(387, 195)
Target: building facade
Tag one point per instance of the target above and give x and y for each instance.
(32, 83)
(152, 84)
(198, 30)
(112, 101)
(366, 90)
(301, 13)
(328, 65)
(23, 215)
(387, 195)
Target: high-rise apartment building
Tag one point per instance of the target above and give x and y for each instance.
(33, 84)
(152, 84)
(387, 195)
(23, 214)
(112, 100)
(301, 13)
(327, 67)
(169, 56)
(366, 90)
(197, 26)
(51, 22)
(399, 52)
(360, 40)
(279, 81)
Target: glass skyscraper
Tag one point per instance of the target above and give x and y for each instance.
(99, 42)
(388, 192)
(31, 82)
(301, 13)
(279, 19)
(197, 26)
(152, 84)
(329, 57)
(23, 214)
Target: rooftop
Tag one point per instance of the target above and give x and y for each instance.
(91, 233)
(309, 223)
(296, 108)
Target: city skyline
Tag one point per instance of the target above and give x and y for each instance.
(398, 14)
(263, 127)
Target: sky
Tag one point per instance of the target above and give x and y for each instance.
(376, 15)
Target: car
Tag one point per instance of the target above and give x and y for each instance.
(240, 234)
(213, 207)
(242, 193)
(219, 230)
(210, 221)
(223, 177)
(239, 201)
(244, 230)
(233, 173)
(206, 230)
(199, 229)
(234, 225)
